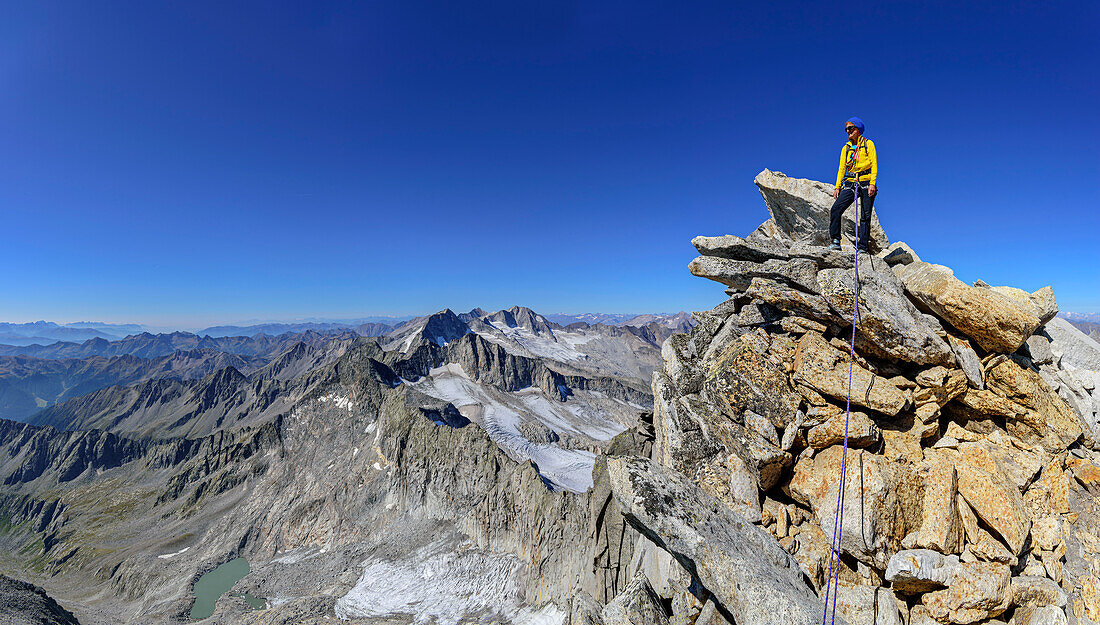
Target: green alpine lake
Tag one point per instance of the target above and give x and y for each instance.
(214, 584)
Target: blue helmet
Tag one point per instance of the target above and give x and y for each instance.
(857, 122)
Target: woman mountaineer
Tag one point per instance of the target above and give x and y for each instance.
(858, 169)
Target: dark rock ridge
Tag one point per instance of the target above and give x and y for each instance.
(26, 604)
(169, 408)
(26, 381)
(32, 450)
(373, 329)
(438, 328)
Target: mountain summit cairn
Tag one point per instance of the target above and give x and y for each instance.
(971, 482)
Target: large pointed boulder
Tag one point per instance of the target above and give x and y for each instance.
(800, 210)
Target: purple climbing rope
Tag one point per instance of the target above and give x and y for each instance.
(838, 517)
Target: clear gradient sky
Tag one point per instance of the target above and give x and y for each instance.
(204, 162)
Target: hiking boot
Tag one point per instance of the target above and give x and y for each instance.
(862, 249)
(835, 245)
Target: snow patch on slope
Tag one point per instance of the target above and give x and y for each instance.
(337, 400)
(560, 346)
(443, 587)
(166, 556)
(500, 415)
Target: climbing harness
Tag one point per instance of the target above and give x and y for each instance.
(838, 517)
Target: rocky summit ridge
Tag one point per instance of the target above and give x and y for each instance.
(393, 489)
(971, 478)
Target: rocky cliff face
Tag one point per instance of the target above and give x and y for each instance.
(25, 604)
(968, 486)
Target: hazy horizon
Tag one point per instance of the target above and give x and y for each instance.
(192, 326)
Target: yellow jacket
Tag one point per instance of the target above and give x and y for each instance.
(866, 161)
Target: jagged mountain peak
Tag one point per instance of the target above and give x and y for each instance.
(444, 326)
(225, 375)
(522, 317)
(438, 328)
(475, 313)
(678, 322)
(446, 313)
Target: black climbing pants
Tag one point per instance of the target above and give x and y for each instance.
(843, 202)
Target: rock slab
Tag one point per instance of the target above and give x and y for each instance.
(890, 326)
(997, 322)
(742, 565)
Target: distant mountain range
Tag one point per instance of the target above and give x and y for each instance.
(275, 329)
(182, 406)
(36, 377)
(100, 382)
(1089, 323)
(46, 332)
(28, 385)
(146, 345)
(132, 491)
(1093, 317)
(672, 320)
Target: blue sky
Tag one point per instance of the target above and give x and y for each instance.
(194, 163)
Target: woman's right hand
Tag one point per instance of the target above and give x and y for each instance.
(836, 192)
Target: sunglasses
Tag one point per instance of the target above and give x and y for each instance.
(850, 128)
